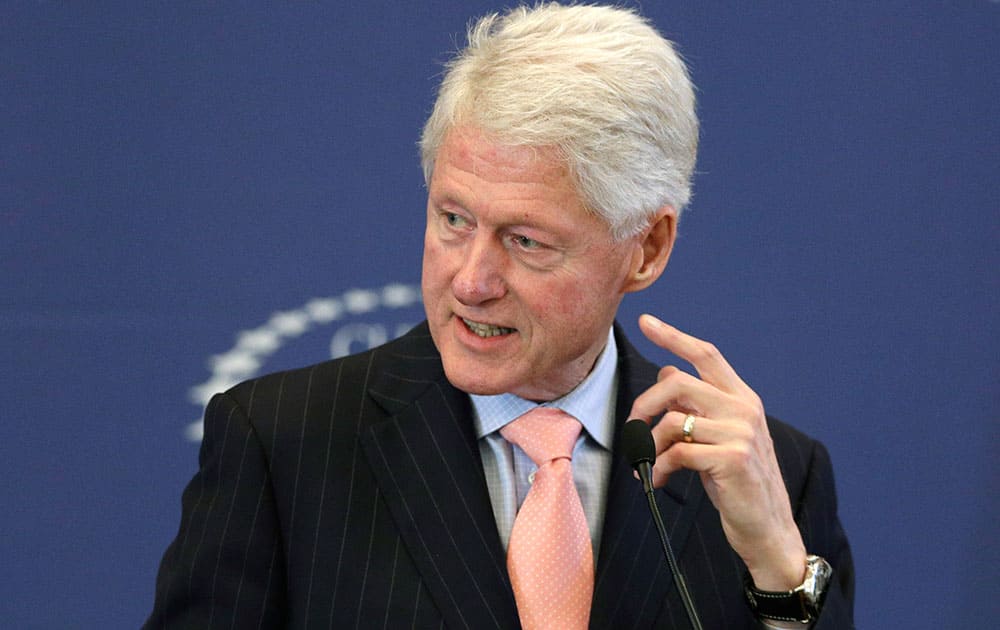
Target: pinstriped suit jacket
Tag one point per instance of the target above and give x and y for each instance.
(350, 494)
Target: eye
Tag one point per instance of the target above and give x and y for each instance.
(454, 219)
(535, 254)
(526, 243)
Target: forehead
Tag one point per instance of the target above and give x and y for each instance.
(472, 151)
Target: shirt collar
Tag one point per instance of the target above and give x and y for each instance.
(591, 402)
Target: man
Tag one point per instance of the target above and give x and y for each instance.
(391, 489)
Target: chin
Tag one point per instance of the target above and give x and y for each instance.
(462, 380)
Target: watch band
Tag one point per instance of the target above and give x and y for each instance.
(801, 604)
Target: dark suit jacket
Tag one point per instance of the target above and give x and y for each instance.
(350, 494)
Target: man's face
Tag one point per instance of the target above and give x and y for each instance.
(520, 282)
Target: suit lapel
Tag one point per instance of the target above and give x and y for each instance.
(425, 458)
(632, 577)
(426, 461)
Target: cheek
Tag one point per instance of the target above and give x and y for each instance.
(562, 306)
(430, 243)
(432, 274)
(433, 265)
(578, 306)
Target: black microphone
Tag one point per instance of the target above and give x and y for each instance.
(639, 449)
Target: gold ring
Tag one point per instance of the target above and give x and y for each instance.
(688, 428)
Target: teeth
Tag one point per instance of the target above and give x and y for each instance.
(486, 330)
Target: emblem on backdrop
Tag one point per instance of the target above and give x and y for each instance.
(322, 328)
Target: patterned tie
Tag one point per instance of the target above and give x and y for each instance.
(549, 557)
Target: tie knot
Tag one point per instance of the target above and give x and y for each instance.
(544, 433)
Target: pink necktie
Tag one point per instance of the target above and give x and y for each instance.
(549, 557)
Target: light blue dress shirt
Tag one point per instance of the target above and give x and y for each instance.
(509, 470)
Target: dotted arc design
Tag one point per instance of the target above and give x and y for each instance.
(254, 346)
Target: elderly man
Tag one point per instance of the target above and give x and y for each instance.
(465, 475)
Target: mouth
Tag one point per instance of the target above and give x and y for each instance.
(486, 330)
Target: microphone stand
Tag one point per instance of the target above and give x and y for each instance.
(639, 448)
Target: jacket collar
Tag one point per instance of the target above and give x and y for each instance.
(426, 459)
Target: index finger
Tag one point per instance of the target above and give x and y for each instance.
(711, 366)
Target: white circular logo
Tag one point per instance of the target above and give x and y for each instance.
(397, 307)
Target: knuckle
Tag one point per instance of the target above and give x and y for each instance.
(741, 454)
(666, 372)
(707, 350)
(752, 409)
(744, 433)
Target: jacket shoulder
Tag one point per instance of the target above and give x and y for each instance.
(393, 356)
(280, 402)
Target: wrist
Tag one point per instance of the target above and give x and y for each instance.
(800, 604)
(780, 570)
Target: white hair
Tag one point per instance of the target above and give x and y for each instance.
(598, 84)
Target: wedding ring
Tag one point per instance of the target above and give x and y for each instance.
(688, 428)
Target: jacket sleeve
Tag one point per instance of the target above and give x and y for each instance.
(225, 568)
(816, 515)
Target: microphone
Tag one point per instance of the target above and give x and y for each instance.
(639, 449)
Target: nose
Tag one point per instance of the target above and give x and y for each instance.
(479, 277)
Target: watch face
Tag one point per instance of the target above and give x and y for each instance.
(818, 572)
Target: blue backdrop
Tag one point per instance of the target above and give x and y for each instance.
(191, 194)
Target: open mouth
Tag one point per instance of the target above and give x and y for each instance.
(486, 330)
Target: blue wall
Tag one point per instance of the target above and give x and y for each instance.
(190, 193)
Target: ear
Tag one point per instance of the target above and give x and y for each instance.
(652, 250)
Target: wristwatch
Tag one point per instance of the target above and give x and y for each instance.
(802, 603)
